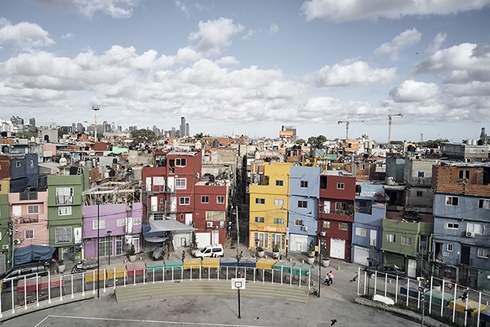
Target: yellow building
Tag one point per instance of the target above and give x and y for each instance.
(269, 207)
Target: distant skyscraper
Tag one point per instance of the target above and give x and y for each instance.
(182, 127)
(172, 132)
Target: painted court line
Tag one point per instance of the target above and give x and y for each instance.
(142, 321)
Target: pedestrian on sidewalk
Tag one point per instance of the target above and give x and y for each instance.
(183, 256)
(326, 280)
(330, 277)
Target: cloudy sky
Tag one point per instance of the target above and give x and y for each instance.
(250, 67)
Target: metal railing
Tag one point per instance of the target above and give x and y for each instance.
(31, 292)
(434, 296)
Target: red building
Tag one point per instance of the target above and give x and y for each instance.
(174, 189)
(336, 213)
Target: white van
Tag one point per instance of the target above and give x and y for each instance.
(210, 251)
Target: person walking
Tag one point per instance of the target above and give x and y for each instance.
(326, 279)
(330, 278)
(183, 256)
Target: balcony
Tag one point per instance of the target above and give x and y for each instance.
(155, 189)
(32, 218)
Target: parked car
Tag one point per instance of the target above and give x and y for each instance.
(212, 250)
(18, 272)
(391, 269)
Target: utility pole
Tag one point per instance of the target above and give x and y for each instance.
(237, 236)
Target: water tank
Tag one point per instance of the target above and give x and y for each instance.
(88, 163)
(390, 180)
(215, 144)
(257, 155)
(63, 162)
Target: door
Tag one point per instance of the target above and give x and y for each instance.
(337, 248)
(361, 255)
(298, 243)
(326, 206)
(372, 237)
(154, 203)
(215, 237)
(148, 184)
(412, 268)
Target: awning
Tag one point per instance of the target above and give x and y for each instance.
(169, 225)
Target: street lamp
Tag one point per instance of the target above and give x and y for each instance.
(98, 248)
(110, 245)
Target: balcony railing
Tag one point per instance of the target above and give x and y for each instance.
(32, 218)
(157, 189)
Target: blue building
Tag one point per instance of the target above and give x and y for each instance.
(304, 191)
(368, 221)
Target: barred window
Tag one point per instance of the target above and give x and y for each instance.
(62, 235)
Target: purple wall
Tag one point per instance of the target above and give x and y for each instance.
(110, 213)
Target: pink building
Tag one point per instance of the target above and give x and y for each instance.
(29, 211)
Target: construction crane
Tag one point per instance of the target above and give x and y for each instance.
(390, 121)
(346, 122)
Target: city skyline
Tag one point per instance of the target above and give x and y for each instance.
(248, 68)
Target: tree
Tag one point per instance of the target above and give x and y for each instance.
(317, 141)
(300, 141)
(143, 136)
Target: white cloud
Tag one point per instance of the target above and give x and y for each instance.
(413, 91)
(67, 36)
(182, 7)
(436, 44)
(352, 10)
(274, 29)
(87, 8)
(402, 41)
(215, 34)
(351, 72)
(466, 56)
(249, 34)
(229, 60)
(25, 35)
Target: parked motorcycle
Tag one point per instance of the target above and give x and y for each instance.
(83, 265)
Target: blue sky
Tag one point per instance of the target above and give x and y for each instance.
(250, 67)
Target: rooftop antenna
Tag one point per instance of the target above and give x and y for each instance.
(95, 108)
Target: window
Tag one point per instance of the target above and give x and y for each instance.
(204, 198)
(18, 164)
(62, 235)
(136, 221)
(449, 247)
(279, 183)
(343, 226)
(303, 183)
(184, 200)
(464, 174)
(390, 238)
(120, 222)
(484, 203)
(64, 195)
(421, 174)
(215, 215)
(451, 200)
(162, 201)
(31, 164)
(474, 228)
(220, 199)
(419, 193)
(28, 234)
(340, 186)
(101, 222)
(64, 211)
(361, 231)
(362, 167)
(483, 253)
(259, 200)
(33, 209)
(180, 183)
(262, 239)
(278, 221)
(326, 224)
(181, 162)
(259, 219)
(406, 240)
(302, 204)
(340, 206)
(278, 202)
(452, 226)
(298, 222)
